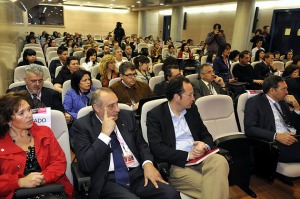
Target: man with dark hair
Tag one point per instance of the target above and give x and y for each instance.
(62, 53)
(170, 72)
(215, 39)
(190, 42)
(128, 89)
(106, 51)
(265, 68)
(128, 52)
(274, 115)
(109, 146)
(245, 72)
(208, 83)
(177, 134)
(258, 46)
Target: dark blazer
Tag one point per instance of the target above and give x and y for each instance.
(245, 73)
(261, 71)
(221, 69)
(294, 87)
(160, 88)
(259, 119)
(200, 89)
(161, 134)
(94, 155)
(50, 97)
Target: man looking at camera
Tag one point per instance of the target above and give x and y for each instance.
(274, 115)
(208, 83)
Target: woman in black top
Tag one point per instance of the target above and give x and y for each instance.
(29, 57)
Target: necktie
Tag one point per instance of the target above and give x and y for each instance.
(121, 171)
(286, 122)
(37, 103)
(210, 88)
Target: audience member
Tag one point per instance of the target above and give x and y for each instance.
(79, 94)
(265, 68)
(208, 83)
(29, 57)
(245, 72)
(156, 53)
(176, 135)
(128, 53)
(170, 53)
(107, 70)
(257, 36)
(31, 156)
(215, 39)
(259, 55)
(288, 56)
(234, 56)
(118, 55)
(268, 116)
(291, 71)
(258, 46)
(143, 69)
(90, 59)
(105, 51)
(296, 60)
(85, 49)
(170, 72)
(109, 146)
(186, 58)
(125, 42)
(128, 89)
(70, 67)
(134, 44)
(277, 56)
(221, 63)
(74, 48)
(62, 53)
(267, 38)
(210, 58)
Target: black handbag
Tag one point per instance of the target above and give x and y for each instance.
(53, 188)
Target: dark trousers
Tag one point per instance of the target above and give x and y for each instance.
(112, 190)
(289, 154)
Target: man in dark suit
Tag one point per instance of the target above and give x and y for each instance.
(177, 134)
(95, 137)
(208, 83)
(46, 97)
(268, 116)
(170, 72)
(128, 53)
(294, 87)
(265, 68)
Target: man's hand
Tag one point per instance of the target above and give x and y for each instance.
(108, 124)
(33, 179)
(219, 80)
(258, 81)
(290, 99)
(152, 174)
(232, 80)
(135, 107)
(198, 150)
(286, 138)
(68, 117)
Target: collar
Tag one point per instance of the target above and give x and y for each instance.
(39, 95)
(270, 99)
(205, 82)
(182, 113)
(126, 86)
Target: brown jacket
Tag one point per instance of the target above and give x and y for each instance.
(129, 95)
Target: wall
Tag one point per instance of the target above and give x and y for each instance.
(94, 21)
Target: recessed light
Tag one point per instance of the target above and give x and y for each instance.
(49, 0)
(138, 2)
(132, 6)
(161, 4)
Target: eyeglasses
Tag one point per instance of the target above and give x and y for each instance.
(34, 81)
(209, 72)
(130, 75)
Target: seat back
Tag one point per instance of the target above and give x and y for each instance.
(254, 63)
(35, 48)
(192, 77)
(49, 49)
(288, 63)
(163, 52)
(51, 55)
(147, 107)
(82, 60)
(157, 68)
(142, 45)
(232, 66)
(242, 99)
(203, 59)
(94, 71)
(60, 130)
(37, 59)
(57, 70)
(22, 83)
(19, 73)
(217, 113)
(279, 65)
(114, 80)
(155, 80)
(78, 54)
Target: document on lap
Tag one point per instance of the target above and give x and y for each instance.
(200, 159)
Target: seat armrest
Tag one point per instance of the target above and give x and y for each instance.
(264, 144)
(226, 155)
(164, 170)
(82, 181)
(47, 188)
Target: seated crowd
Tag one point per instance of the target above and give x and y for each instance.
(108, 142)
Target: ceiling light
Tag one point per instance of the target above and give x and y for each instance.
(49, 0)
(138, 2)
(161, 4)
(132, 6)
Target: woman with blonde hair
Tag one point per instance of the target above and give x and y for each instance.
(107, 70)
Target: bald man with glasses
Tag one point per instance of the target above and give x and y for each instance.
(128, 90)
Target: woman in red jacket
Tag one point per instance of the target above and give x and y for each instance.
(30, 155)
